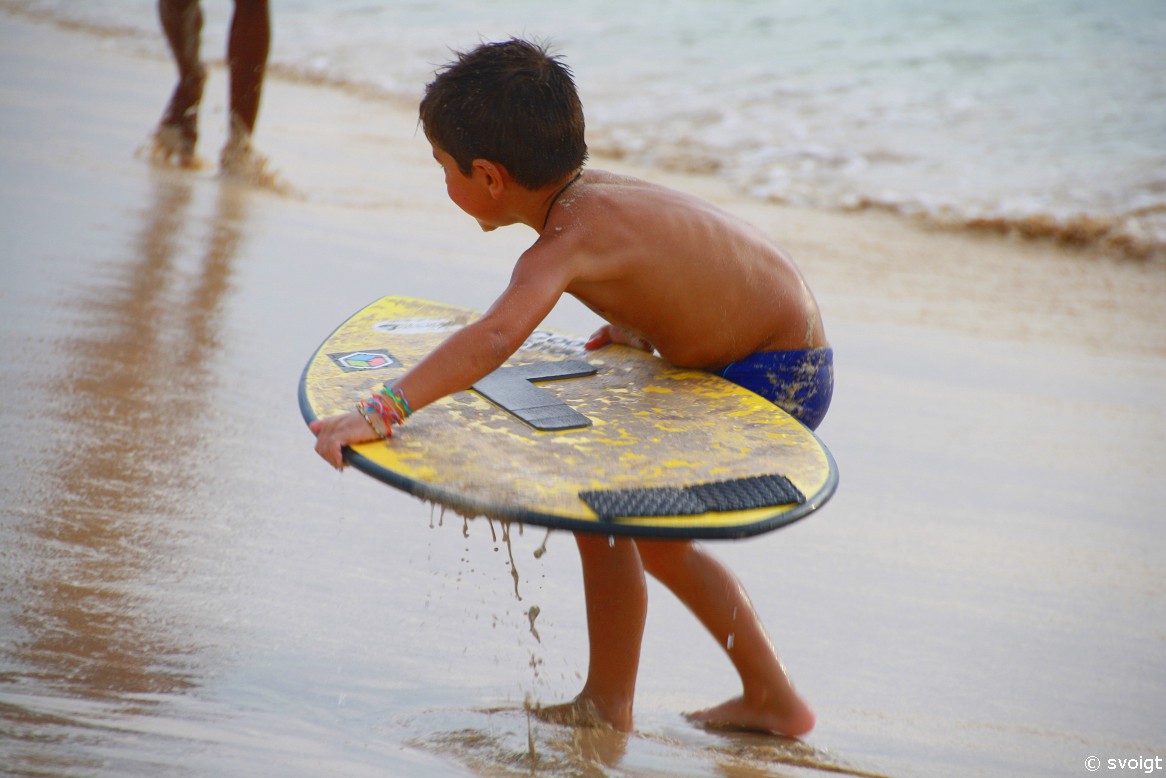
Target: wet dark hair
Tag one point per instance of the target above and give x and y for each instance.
(508, 102)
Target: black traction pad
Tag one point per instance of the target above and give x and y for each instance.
(739, 494)
(512, 389)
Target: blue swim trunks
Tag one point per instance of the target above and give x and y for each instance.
(800, 382)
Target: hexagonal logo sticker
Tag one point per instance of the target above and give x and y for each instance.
(366, 359)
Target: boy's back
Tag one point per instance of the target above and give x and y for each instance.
(702, 286)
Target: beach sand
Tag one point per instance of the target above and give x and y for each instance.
(186, 589)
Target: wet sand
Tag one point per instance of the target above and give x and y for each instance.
(185, 589)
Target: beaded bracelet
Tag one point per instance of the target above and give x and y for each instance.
(398, 398)
(384, 409)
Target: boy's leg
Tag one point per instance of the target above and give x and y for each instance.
(769, 702)
(617, 605)
(178, 131)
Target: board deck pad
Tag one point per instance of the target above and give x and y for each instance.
(512, 389)
(613, 441)
(739, 494)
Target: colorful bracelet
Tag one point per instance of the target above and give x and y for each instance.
(397, 397)
(384, 409)
(374, 413)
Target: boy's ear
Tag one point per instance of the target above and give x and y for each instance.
(494, 175)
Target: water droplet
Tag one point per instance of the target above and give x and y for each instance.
(538, 552)
(510, 557)
(532, 614)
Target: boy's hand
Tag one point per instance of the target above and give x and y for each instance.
(336, 432)
(609, 333)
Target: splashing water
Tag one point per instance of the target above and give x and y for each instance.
(542, 549)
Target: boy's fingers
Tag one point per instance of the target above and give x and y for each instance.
(611, 334)
(331, 455)
(600, 337)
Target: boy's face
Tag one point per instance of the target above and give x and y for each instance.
(467, 192)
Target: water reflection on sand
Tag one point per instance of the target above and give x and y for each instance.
(169, 605)
(104, 509)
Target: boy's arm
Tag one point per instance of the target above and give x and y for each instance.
(463, 358)
(480, 347)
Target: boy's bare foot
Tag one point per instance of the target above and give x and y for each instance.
(739, 714)
(579, 712)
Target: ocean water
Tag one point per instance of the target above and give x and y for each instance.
(1046, 117)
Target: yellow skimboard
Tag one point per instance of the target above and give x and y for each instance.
(614, 441)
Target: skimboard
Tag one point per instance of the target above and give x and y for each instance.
(614, 441)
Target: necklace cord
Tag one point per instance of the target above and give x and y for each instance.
(555, 199)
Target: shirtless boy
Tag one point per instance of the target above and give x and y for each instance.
(667, 272)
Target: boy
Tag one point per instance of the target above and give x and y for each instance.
(668, 272)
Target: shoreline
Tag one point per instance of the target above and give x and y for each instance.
(1095, 237)
(1040, 290)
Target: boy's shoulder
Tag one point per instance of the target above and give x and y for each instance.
(621, 187)
(607, 198)
(600, 201)
(606, 178)
(607, 216)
